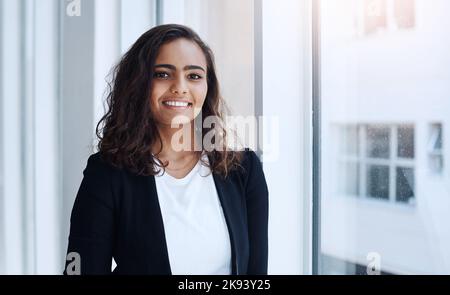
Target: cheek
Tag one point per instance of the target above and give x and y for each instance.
(200, 93)
(157, 91)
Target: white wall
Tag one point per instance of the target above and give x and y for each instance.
(287, 96)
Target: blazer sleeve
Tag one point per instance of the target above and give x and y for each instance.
(92, 220)
(257, 198)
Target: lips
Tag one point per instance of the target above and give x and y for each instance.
(176, 103)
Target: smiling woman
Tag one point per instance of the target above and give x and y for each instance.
(166, 67)
(156, 209)
(179, 87)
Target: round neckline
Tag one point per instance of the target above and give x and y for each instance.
(180, 181)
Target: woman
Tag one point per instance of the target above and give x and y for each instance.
(158, 205)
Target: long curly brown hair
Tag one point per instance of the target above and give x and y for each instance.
(128, 131)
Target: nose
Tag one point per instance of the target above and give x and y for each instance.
(179, 87)
(176, 91)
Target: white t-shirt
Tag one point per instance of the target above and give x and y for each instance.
(196, 231)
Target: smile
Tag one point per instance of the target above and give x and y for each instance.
(177, 104)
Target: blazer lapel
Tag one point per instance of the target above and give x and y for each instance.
(154, 237)
(228, 199)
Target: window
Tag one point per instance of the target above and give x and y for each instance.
(382, 111)
(389, 151)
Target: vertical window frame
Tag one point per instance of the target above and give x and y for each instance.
(2, 194)
(316, 136)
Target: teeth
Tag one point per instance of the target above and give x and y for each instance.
(176, 103)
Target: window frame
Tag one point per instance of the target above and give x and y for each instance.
(316, 136)
(2, 194)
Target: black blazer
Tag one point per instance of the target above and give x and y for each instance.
(116, 214)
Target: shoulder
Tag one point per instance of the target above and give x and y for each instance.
(250, 159)
(98, 168)
(252, 171)
(253, 177)
(100, 182)
(96, 160)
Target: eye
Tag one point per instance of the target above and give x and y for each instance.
(161, 75)
(194, 76)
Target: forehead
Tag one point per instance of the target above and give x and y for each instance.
(181, 52)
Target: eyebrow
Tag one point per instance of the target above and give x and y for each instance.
(186, 68)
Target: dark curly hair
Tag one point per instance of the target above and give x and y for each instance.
(128, 131)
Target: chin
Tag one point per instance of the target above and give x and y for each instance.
(176, 122)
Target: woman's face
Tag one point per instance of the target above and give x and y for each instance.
(179, 84)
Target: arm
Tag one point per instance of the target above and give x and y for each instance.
(257, 214)
(91, 222)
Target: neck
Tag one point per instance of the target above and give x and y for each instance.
(177, 143)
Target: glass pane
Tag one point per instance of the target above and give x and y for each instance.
(438, 145)
(378, 182)
(405, 139)
(378, 142)
(373, 74)
(405, 185)
(437, 136)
